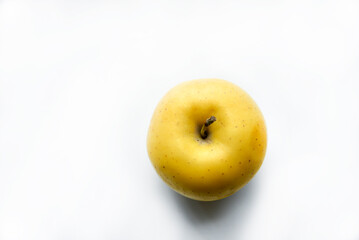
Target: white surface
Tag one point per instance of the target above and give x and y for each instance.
(79, 82)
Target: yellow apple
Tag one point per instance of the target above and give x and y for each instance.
(207, 138)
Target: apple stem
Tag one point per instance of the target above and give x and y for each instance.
(209, 121)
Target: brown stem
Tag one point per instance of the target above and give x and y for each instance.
(209, 121)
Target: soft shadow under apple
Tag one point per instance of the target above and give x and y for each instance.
(215, 220)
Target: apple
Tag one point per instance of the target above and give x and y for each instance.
(207, 139)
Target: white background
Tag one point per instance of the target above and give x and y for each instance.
(80, 80)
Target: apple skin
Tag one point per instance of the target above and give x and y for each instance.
(218, 166)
